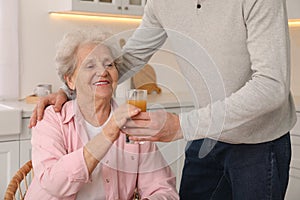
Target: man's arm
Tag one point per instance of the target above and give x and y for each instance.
(268, 89)
(144, 42)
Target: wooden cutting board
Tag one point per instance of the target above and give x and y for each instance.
(146, 79)
(32, 99)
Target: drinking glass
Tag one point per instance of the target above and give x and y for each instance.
(137, 98)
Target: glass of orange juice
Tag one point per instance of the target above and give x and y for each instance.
(137, 98)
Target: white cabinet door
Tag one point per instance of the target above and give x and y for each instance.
(293, 9)
(25, 151)
(25, 143)
(133, 7)
(98, 6)
(25, 131)
(25, 155)
(9, 163)
(173, 152)
(119, 7)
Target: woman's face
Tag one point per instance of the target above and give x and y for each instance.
(96, 74)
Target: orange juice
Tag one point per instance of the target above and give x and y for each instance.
(142, 104)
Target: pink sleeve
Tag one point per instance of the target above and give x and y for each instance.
(59, 172)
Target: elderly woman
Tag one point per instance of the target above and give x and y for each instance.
(79, 153)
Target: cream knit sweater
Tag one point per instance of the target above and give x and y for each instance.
(235, 57)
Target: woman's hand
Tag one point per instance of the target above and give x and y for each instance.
(56, 99)
(97, 147)
(120, 116)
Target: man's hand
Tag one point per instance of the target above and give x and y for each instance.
(154, 126)
(56, 99)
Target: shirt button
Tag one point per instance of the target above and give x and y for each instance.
(107, 180)
(132, 157)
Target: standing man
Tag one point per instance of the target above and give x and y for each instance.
(239, 143)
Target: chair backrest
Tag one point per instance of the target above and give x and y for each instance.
(20, 182)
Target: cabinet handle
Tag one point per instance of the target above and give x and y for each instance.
(119, 8)
(125, 8)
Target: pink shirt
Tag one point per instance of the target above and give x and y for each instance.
(60, 170)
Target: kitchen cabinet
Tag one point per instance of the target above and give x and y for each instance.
(293, 8)
(293, 192)
(9, 159)
(115, 7)
(15, 150)
(25, 142)
(173, 152)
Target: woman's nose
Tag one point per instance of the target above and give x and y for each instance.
(101, 71)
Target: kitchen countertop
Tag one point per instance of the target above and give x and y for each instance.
(22, 105)
(165, 100)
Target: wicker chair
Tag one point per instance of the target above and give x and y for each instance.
(19, 183)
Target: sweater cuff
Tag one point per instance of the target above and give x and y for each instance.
(71, 94)
(188, 126)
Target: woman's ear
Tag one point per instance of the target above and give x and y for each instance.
(70, 82)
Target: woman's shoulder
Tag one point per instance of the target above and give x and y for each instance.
(65, 114)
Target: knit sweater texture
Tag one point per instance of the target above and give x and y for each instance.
(235, 56)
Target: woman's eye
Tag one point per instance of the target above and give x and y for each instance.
(90, 66)
(109, 65)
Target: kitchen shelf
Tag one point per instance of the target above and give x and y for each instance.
(96, 15)
(294, 23)
(107, 8)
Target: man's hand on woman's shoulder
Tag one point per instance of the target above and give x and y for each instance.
(57, 99)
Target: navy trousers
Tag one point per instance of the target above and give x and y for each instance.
(236, 171)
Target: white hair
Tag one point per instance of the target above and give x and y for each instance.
(67, 49)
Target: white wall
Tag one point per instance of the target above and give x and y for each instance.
(9, 62)
(40, 32)
(295, 60)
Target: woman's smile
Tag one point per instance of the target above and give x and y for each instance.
(101, 83)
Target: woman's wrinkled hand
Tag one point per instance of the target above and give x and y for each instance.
(120, 116)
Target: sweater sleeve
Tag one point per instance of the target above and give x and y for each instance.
(60, 173)
(267, 90)
(146, 40)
